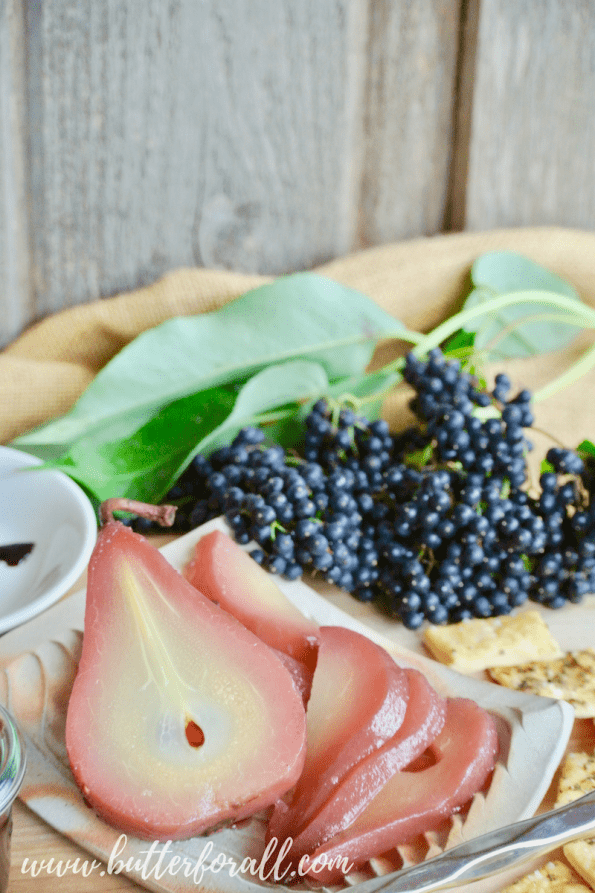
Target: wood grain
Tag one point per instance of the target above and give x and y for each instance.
(116, 95)
(283, 113)
(533, 116)
(216, 134)
(408, 124)
(15, 303)
(274, 135)
(262, 137)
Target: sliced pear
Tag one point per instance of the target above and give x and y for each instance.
(179, 718)
(299, 672)
(228, 576)
(357, 703)
(424, 720)
(413, 802)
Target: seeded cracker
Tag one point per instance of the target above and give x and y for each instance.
(555, 877)
(578, 777)
(569, 678)
(474, 645)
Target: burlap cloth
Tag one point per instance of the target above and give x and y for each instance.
(420, 281)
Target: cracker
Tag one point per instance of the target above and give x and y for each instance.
(581, 855)
(555, 877)
(570, 678)
(577, 777)
(477, 644)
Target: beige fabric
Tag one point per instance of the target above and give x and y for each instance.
(420, 281)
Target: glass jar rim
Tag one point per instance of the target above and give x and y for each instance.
(13, 760)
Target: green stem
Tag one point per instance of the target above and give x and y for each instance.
(407, 335)
(538, 317)
(581, 367)
(275, 415)
(579, 314)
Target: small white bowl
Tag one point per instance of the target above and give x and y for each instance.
(46, 508)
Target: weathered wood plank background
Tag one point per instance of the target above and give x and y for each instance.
(271, 135)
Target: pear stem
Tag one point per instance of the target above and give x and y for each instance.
(162, 514)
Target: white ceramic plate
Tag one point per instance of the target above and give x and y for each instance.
(35, 686)
(46, 508)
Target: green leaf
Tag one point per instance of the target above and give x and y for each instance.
(420, 458)
(369, 391)
(586, 449)
(461, 342)
(144, 464)
(282, 387)
(546, 467)
(365, 392)
(299, 316)
(462, 347)
(522, 329)
(501, 272)
(147, 464)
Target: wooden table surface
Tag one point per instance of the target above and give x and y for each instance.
(34, 841)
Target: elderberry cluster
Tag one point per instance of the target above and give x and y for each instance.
(434, 524)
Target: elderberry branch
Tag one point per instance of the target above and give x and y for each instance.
(578, 314)
(573, 312)
(576, 371)
(509, 329)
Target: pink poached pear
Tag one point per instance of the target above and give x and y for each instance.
(180, 718)
(299, 672)
(226, 574)
(358, 702)
(424, 720)
(413, 802)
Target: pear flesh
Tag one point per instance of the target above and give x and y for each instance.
(358, 702)
(424, 720)
(180, 718)
(416, 800)
(227, 575)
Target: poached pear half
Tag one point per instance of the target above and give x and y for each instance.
(180, 718)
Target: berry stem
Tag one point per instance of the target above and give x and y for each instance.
(578, 314)
(507, 330)
(550, 436)
(162, 514)
(578, 369)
